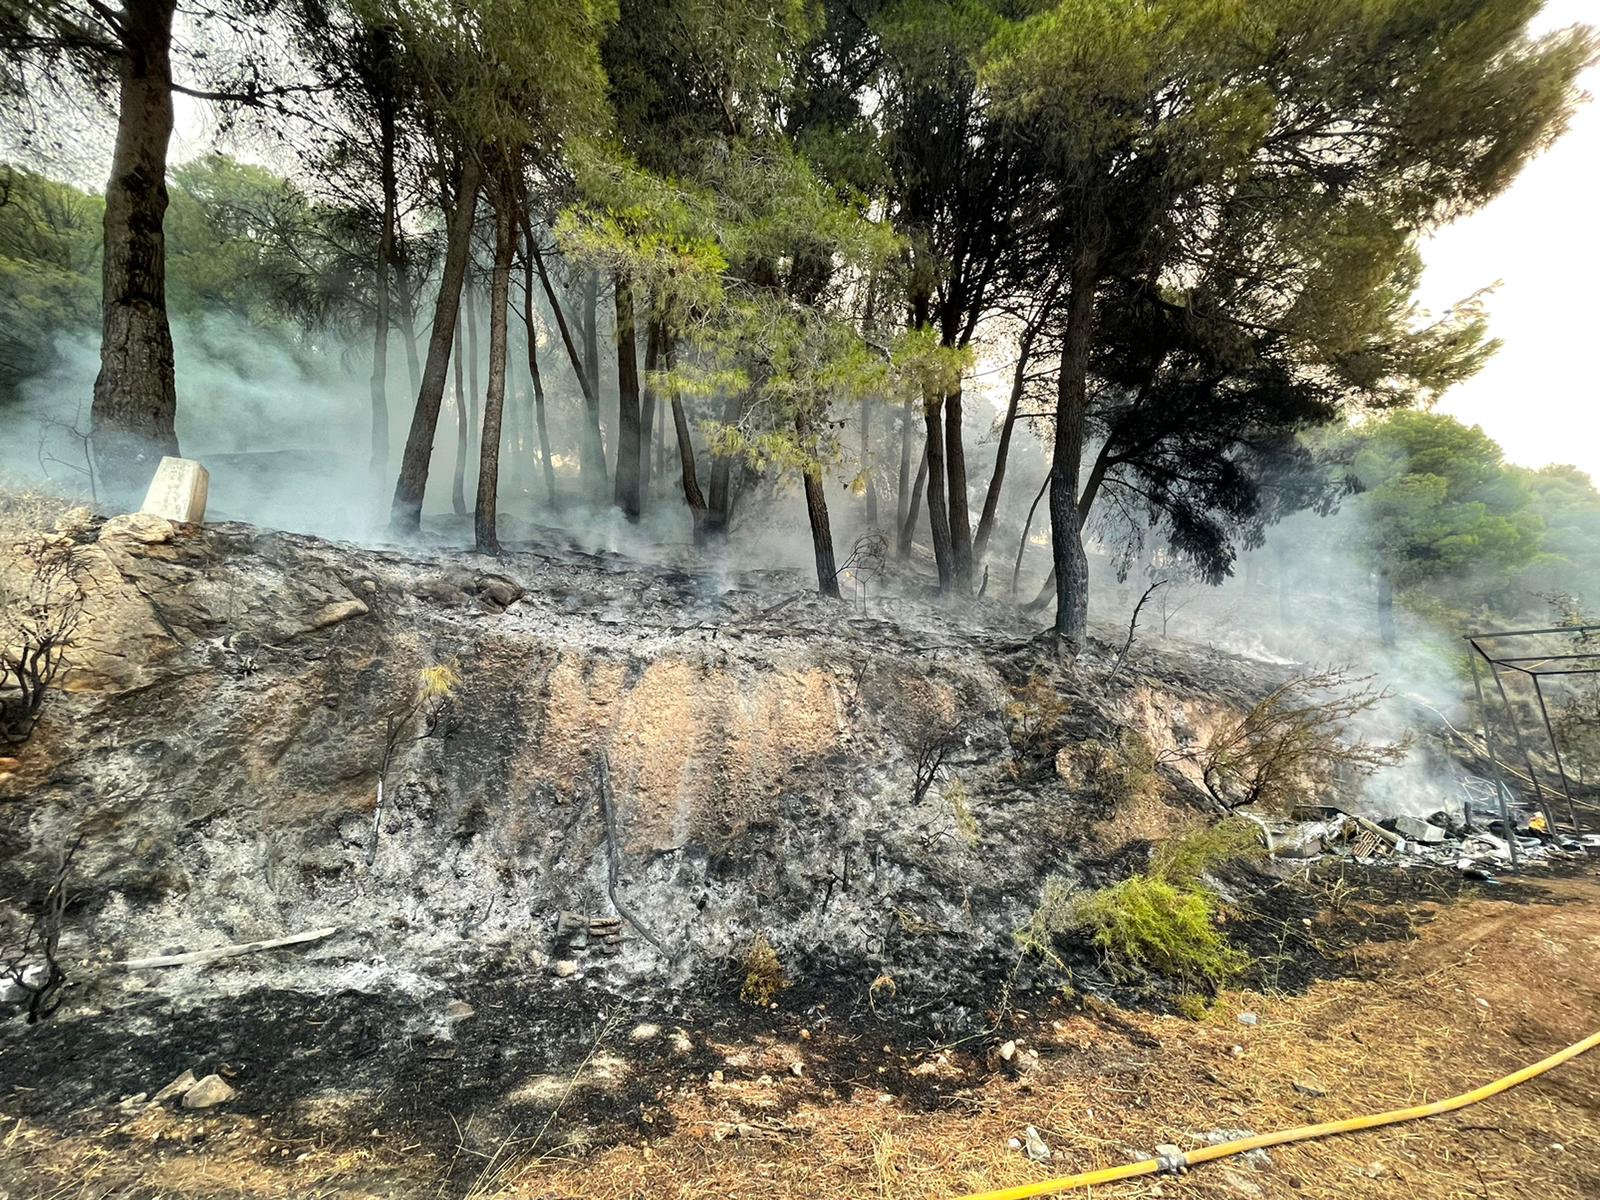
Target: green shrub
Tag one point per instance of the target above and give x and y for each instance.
(1184, 862)
(1145, 925)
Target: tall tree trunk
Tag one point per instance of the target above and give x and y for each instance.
(938, 505)
(546, 465)
(817, 517)
(720, 511)
(1002, 453)
(903, 503)
(692, 496)
(473, 394)
(593, 460)
(134, 415)
(629, 447)
(379, 460)
(408, 311)
(458, 485)
(1072, 405)
(866, 463)
(484, 522)
(955, 459)
(649, 427)
(406, 513)
(908, 524)
(591, 452)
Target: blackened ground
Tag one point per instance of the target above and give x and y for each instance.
(321, 1067)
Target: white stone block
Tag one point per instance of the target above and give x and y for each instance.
(178, 492)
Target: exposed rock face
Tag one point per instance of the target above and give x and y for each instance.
(220, 742)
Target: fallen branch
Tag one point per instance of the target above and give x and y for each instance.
(1133, 629)
(198, 957)
(613, 865)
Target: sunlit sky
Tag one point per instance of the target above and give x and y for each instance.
(1540, 241)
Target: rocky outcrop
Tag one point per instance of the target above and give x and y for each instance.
(850, 784)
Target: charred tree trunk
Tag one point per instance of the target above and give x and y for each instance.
(629, 447)
(938, 506)
(817, 516)
(960, 519)
(1002, 453)
(1072, 404)
(547, 467)
(485, 515)
(406, 513)
(591, 454)
(458, 485)
(908, 524)
(134, 415)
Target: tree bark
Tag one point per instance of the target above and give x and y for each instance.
(938, 506)
(1027, 526)
(133, 418)
(593, 462)
(908, 524)
(720, 509)
(817, 516)
(485, 533)
(1002, 453)
(629, 447)
(648, 425)
(473, 394)
(955, 458)
(458, 485)
(692, 495)
(546, 465)
(588, 454)
(1066, 530)
(379, 460)
(406, 512)
(903, 503)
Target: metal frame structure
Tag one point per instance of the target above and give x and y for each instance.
(1536, 668)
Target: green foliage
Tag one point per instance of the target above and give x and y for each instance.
(1162, 921)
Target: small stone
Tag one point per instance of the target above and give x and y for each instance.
(796, 1068)
(176, 1088)
(1237, 1051)
(1248, 1018)
(1167, 1150)
(1008, 1051)
(885, 1098)
(1038, 1148)
(1306, 1089)
(805, 1035)
(1481, 1002)
(129, 1103)
(716, 1077)
(1015, 1144)
(458, 1010)
(564, 968)
(1375, 1170)
(645, 1031)
(334, 613)
(208, 1092)
(1557, 1148)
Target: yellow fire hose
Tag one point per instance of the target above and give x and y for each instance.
(1305, 1133)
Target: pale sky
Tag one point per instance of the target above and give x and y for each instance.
(1540, 396)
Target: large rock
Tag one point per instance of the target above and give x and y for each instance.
(208, 1093)
(178, 491)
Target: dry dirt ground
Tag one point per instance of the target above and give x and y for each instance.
(1443, 995)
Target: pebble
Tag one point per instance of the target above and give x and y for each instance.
(1008, 1051)
(176, 1088)
(208, 1092)
(1038, 1148)
(1015, 1144)
(1237, 1051)
(565, 968)
(458, 1010)
(1248, 1018)
(645, 1031)
(796, 1068)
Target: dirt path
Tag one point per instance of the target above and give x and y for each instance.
(1484, 986)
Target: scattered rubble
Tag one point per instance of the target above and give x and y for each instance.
(208, 1093)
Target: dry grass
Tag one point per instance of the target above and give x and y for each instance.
(1487, 987)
